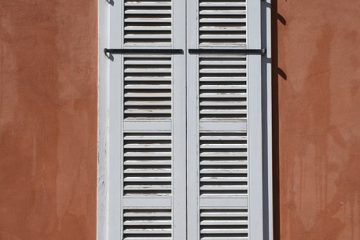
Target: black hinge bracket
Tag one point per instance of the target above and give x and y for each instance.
(109, 51)
(228, 51)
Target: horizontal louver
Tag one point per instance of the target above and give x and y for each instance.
(222, 23)
(147, 22)
(223, 87)
(223, 163)
(147, 163)
(147, 224)
(223, 224)
(147, 88)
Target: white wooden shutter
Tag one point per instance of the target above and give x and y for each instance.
(147, 163)
(224, 109)
(185, 120)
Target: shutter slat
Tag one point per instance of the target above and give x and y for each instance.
(147, 86)
(224, 20)
(147, 187)
(150, 179)
(222, 187)
(147, 154)
(217, 36)
(147, 223)
(229, 61)
(222, 162)
(229, 4)
(147, 3)
(146, 163)
(148, 103)
(154, 145)
(222, 146)
(222, 12)
(147, 70)
(143, 214)
(222, 95)
(224, 69)
(223, 112)
(223, 171)
(214, 103)
(148, 94)
(145, 12)
(147, 136)
(219, 230)
(148, 112)
(218, 137)
(163, 20)
(223, 78)
(147, 36)
(222, 179)
(145, 61)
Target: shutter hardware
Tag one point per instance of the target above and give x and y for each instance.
(108, 51)
(228, 51)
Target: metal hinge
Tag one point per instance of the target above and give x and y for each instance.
(108, 51)
(228, 51)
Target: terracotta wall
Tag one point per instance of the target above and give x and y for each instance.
(48, 118)
(48, 86)
(317, 119)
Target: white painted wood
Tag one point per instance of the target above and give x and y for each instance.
(232, 202)
(208, 108)
(103, 67)
(193, 123)
(148, 202)
(115, 167)
(267, 123)
(148, 126)
(179, 122)
(225, 126)
(146, 165)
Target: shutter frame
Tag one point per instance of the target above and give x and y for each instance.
(108, 200)
(255, 126)
(252, 201)
(130, 82)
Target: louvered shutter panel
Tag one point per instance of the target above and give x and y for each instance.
(224, 109)
(147, 109)
(148, 23)
(222, 23)
(185, 130)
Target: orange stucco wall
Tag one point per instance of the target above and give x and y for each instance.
(317, 119)
(48, 118)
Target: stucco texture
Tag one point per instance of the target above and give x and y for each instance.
(48, 119)
(317, 119)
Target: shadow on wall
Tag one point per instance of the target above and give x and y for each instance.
(324, 92)
(277, 75)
